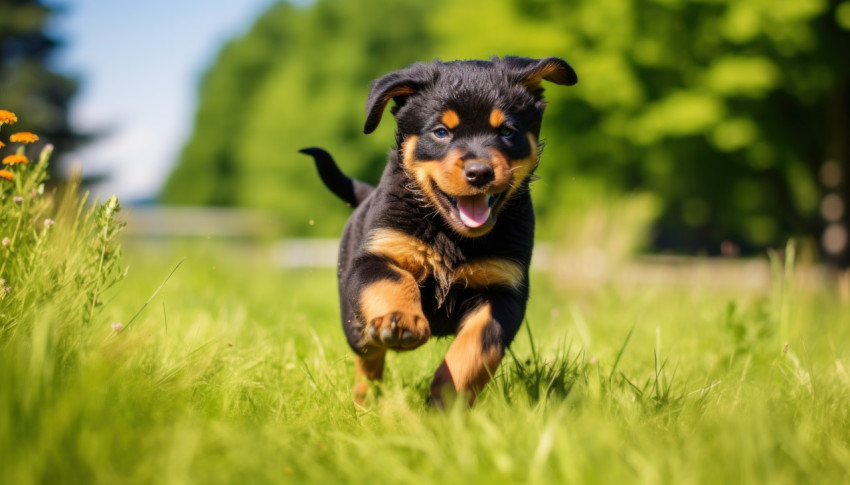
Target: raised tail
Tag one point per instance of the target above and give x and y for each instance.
(350, 190)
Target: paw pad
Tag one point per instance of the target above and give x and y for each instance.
(399, 330)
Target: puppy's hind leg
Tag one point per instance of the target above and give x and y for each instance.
(369, 367)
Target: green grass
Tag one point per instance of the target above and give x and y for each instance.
(238, 373)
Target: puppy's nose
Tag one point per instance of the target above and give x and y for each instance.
(478, 174)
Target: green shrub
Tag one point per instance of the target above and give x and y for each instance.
(56, 254)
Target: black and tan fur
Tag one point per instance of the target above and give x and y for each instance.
(421, 256)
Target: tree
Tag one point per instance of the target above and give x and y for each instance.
(28, 85)
(733, 114)
(730, 116)
(299, 78)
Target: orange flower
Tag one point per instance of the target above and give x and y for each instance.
(5, 174)
(7, 117)
(23, 137)
(2, 144)
(15, 159)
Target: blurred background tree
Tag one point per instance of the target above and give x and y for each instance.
(714, 124)
(28, 84)
(298, 78)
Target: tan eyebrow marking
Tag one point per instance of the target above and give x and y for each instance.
(497, 117)
(450, 119)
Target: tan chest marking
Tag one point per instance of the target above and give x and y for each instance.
(488, 272)
(422, 260)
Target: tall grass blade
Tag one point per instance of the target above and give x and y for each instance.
(620, 353)
(133, 319)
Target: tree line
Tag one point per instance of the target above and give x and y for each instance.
(730, 117)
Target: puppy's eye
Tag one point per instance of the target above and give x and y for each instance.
(506, 131)
(441, 133)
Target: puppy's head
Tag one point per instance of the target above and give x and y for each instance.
(468, 131)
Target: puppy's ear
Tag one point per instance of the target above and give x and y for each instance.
(396, 85)
(531, 72)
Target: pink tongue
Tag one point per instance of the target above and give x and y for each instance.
(473, 210)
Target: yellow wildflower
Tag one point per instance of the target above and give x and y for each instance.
(2, 144)
(7, 117)
(15, 159)
(5, 174)
(23, 137)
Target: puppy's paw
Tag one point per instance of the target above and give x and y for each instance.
(399, 330)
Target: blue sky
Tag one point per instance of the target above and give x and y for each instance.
(140, 62)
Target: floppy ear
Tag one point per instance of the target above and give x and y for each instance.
(531, 72)
(395, 85)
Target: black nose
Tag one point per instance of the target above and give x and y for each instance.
(478, 174)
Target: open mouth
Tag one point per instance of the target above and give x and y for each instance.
(473, 211)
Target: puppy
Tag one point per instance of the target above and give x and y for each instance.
(442, 245)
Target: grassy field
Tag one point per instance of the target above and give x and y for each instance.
(235, 372)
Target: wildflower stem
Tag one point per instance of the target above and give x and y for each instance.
(11, 248)
(96, 290)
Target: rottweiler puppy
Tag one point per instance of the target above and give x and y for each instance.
(443, 244)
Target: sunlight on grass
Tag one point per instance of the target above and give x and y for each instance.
(198, 362)
(235, 371)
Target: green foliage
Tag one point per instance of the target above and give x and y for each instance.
(57, 258)
(720, 112)
(297, 79)
(28, 82)
(57, 255)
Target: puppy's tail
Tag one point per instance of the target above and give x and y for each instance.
(350, 190)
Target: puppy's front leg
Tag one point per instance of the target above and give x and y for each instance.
(476, 352)
(388, 315)
(389, 306)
